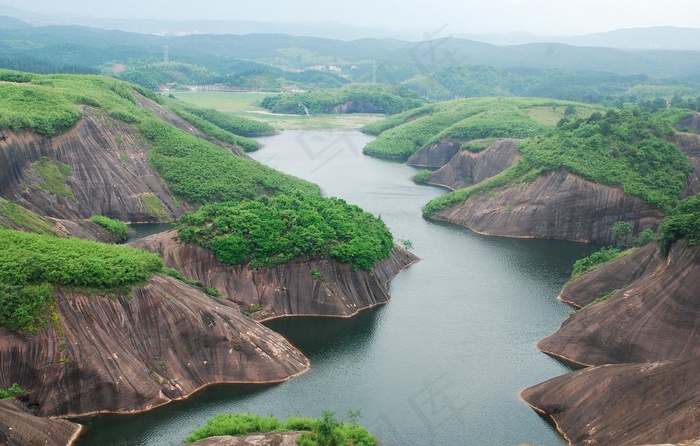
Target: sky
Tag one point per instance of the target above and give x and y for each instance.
(543, 17)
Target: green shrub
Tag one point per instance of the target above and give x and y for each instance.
(15, 216)
(271, 230)
(422, 177)
(14, 391)
(117, 228)
(54, 177)
(599, 258)
(175, 274)
(645, 237)
(681, 223)
(233, 124)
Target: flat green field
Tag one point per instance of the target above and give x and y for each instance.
(246, 105)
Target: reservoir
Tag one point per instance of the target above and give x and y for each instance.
(441, 364)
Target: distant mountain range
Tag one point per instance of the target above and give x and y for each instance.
(653, 38)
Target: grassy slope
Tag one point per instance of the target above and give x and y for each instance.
(403, 135)
(32, 264)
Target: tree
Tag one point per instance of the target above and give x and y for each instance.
(621, 232)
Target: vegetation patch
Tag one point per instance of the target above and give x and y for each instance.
(54, 178)
(478, 145)
(325, 431)
(626, 148)
(681, 223)
(155, 207)
(202, 172)
(598, 259)
(422, 177)
(31, 265)
(14, 391)
(270, 230)
(354, 98)
(14, 216)
(117, 228)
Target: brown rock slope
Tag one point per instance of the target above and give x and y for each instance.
(110, 172)
(623, 404)
(435, 155)
(271, 439)
(288, 289)
(613, 276)
(18, 427)
(558, 205)
(160, 342)
(655, 318)
(467, 168)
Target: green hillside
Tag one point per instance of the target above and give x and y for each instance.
(625, 148)
(403, 135)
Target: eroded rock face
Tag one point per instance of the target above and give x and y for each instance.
(613, 276)
(271, 439)
(287, 289)
(558, 205)
(625, 404)
(109, 168)
(655, 318)
(435, 155)
(18, 427)
(134, 351)
(467, 168)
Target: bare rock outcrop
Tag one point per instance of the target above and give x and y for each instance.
(655, 318)
(134, 351)
(558, 205)
(288, 289)
(19, 427)
(613, 276)
(623, 404)
(271, 439)
(435, 155)
(467, 168)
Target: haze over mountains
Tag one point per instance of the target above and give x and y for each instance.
(650, 38)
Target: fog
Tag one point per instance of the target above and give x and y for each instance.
(543, 17)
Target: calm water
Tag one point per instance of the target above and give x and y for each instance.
(441, 364)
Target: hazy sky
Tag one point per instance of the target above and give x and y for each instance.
(547, 17)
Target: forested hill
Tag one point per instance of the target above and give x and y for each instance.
(89, 47)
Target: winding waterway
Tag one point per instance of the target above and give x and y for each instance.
(441, 364)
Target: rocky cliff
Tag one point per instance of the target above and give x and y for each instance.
(109, 173)
(654, 318)
(613, 276)
(626, 404)
(134, 351)
(435, 155)
(18, 427)
(467, 168)
(558, 205)
(288, 289)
